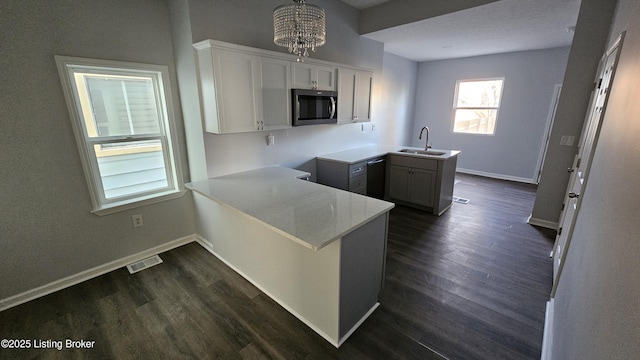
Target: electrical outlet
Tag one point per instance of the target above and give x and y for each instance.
(137, 220)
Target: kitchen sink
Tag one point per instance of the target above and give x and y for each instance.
(422, 152)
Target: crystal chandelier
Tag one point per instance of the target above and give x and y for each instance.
(299, 27)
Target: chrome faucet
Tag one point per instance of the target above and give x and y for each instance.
(426, 143)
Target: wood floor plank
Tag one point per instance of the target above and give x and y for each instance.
(470, 284)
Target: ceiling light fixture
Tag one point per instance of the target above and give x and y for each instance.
(299, 27)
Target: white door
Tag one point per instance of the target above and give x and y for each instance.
(582, 162)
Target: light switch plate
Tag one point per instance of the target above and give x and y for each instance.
(567, 140)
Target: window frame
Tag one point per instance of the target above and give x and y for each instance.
(67, 68)
(456, 107)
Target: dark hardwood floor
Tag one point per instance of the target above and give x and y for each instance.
(471, 284)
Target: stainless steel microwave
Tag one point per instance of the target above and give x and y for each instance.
(312, 107)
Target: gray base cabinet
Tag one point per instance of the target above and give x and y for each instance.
(413, 185)
(362, 267)
(423, 183)
(349, 177)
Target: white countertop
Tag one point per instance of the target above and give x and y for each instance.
(365, 153)
(311, 214)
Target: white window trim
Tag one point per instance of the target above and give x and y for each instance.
(455, 107)
(101, 207)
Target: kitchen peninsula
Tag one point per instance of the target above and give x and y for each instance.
(317, 251)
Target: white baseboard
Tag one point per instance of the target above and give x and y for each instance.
(547, 338)
(553, 225)
(90, 273)
(496, 176)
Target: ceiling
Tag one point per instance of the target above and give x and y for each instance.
(497, 27)
(363, 4)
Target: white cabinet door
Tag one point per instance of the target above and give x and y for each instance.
(243, 92)
(275, 95)
(229, 93)
(310, 76)
(346, 95)
(354, 96)
(364, 83)
(326, 78)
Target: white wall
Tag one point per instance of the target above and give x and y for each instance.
(597, 304)
(46, 229)
(513, 152)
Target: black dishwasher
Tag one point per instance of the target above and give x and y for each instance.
(375, 177)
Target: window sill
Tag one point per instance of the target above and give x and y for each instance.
(151, 199)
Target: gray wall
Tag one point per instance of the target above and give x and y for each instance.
(514, 151)
(46, 229)
(588, 45)
(252, 25)
(187, 82)
(394, 13)
(597, 304)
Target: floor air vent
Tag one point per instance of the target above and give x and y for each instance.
(460, 200)
(143, 264)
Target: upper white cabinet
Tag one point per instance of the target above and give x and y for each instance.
(241, 91)
(275, 94)
(244, 89)
(354, 95)
(312, 76)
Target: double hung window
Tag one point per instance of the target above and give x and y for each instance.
(476, 105)
(123, 122)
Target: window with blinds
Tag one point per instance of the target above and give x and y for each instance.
(122, 120)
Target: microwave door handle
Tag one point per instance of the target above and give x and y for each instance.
(332, 108)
